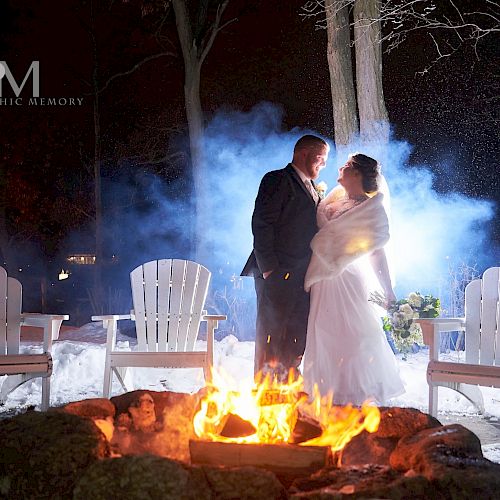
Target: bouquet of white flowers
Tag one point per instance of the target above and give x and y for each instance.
(399, 321)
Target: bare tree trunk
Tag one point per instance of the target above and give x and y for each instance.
(193, 59)
(194, 50)
(98, 288)
(98, 265)
(8, 249)
(194, 115)
(341, 80)
(374, 121)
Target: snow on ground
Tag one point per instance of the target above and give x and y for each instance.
(79, 367)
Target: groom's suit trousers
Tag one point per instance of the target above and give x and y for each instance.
(282, 312)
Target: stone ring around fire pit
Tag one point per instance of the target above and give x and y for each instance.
(136, 445)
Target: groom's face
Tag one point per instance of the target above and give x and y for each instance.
(315, 160)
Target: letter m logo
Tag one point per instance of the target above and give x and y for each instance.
(34, 70)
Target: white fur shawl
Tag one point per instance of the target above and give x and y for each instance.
(340, 241)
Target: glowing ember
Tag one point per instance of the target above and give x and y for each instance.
(271, 411)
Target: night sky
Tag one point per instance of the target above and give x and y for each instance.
(449, 115)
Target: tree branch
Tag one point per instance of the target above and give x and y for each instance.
(134, 68)
(214, 29)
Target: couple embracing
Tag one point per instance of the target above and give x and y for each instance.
(312, 280)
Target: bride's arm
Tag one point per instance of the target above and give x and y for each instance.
(378, 261)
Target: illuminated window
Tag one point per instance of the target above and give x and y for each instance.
(83, 259)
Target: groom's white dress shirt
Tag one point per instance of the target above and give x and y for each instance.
(307, 183)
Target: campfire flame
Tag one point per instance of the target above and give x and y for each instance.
(271, 409)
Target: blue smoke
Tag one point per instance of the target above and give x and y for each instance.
(430, 231)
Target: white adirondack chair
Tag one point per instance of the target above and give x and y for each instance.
(20, 368)
(482, 344)
(168, 297)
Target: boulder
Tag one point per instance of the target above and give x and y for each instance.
(450, 457)
(376, 448)
(160, 423)
(367, 481)
(97, 408)
(138, 477)
(246, 483)
(43, 454)
(430, 445)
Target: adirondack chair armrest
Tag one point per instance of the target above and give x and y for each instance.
(432, 328)
(107, 317)
(51, 324)
(217, 317)
(110, 322)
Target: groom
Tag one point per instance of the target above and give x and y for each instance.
(283, 224)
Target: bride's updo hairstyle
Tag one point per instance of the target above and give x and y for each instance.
(369, 169)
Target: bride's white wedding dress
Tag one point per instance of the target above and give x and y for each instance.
(347, 352)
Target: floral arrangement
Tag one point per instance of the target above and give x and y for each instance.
(321, 188)
(399, 321)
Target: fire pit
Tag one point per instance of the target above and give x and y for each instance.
(151, 435)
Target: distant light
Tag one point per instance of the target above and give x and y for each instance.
(20, 269)
(85, 259)
(63, 275)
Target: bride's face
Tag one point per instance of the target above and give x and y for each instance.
(348, 175)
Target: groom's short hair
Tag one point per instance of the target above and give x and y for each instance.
(308, 141)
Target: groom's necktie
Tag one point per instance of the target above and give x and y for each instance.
(310, 188)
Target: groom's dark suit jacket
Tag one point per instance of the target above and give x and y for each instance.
(283, 225)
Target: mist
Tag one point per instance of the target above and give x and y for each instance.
(430, 232)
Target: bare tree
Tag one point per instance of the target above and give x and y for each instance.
(375, 22)
(345, 117)
(373, 118)
(97, 86)
(198, 24)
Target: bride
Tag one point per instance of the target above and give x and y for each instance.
(346, 351)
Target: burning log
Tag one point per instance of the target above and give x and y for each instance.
(235, 426)
(305, 429)
(282, 459)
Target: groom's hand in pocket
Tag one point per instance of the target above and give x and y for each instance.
(267, 274)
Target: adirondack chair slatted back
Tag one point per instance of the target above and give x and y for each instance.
(168, 297)
(482, 318)
(10, 314)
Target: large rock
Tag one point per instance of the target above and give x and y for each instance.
(139, 477)
(381, 481)
(450, 457)
(160, 423)
(43, 454)
(367, 481)
(429, 445)
(247, 483)
(96, 408)
(395, 423)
